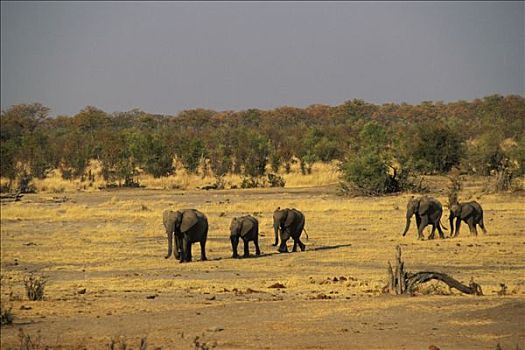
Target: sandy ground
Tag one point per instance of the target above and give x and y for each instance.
(112, 245)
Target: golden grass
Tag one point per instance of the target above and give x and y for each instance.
(322, 174)
(113, 244)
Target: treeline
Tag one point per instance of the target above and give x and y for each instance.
(480, 136)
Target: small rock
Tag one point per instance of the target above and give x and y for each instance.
(24, 307)
(215, 329)
(433, 347)
(151, 296)
(82, 291)
(277, 285)
(212, 298)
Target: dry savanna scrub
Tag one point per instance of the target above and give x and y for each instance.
(102, 254)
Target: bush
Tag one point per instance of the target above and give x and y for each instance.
(272, 180)
(368, 173)
(251, 182)
(6, 316)
(275, 180)
(35, 287)
(431, 147)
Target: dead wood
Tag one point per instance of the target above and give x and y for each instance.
(401, 282)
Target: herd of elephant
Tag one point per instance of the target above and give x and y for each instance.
(187, 226)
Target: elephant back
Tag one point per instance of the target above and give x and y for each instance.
(249, 223)
(252, 219)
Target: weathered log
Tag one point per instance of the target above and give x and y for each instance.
(416, 279)
(401, 282)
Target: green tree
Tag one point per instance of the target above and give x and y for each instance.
(433, 147)
(191, 154)
(370, 170)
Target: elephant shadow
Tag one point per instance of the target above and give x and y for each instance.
(328, 247)
(264, 255)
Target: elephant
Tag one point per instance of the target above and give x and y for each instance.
(185, 226)
(247, 228)
(471, 213)
(428, 211)
(290, 222)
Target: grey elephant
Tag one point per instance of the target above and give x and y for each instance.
(428, 211)
(247, 229)
(290, 223)
(184, 227)
(470, 212)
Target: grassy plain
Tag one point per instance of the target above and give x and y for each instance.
(112, 244)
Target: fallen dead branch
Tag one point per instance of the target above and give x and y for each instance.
(402, 282)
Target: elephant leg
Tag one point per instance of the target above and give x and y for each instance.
(256, 243)
(481, 224)
(203, 250)
(458, 225)
(294, 249)
(235, 243)
(421, 227)
(418, 221)
(441, 234)
(432, 234)
(283, 248)
(178, 247)
(301, 244)
(285, 235)
(246, 248)
(187, 249)
(472, 226)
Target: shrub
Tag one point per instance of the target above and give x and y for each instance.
(6, 316)
(35, 287)
(432, 147)
(275, 180)
(250, 182)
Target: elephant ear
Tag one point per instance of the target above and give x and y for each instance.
(424, 205)
(466, 210)
(189, 219)
(290, 217)
(246, 226)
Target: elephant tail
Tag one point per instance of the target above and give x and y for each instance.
(306, 233)
(442, 226)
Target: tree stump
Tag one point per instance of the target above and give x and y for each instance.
(402, 282)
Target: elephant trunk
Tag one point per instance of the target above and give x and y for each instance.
(276, 230)
(170, 244)
(451, 221)
(407, 225)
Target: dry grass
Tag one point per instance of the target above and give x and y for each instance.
(111, 243)
(322, 174)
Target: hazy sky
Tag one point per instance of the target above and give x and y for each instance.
(164, 57)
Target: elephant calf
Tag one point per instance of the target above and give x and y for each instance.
(428, 211)
(247, 228)
(185, 226)
(470, 212)
(290, 222)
